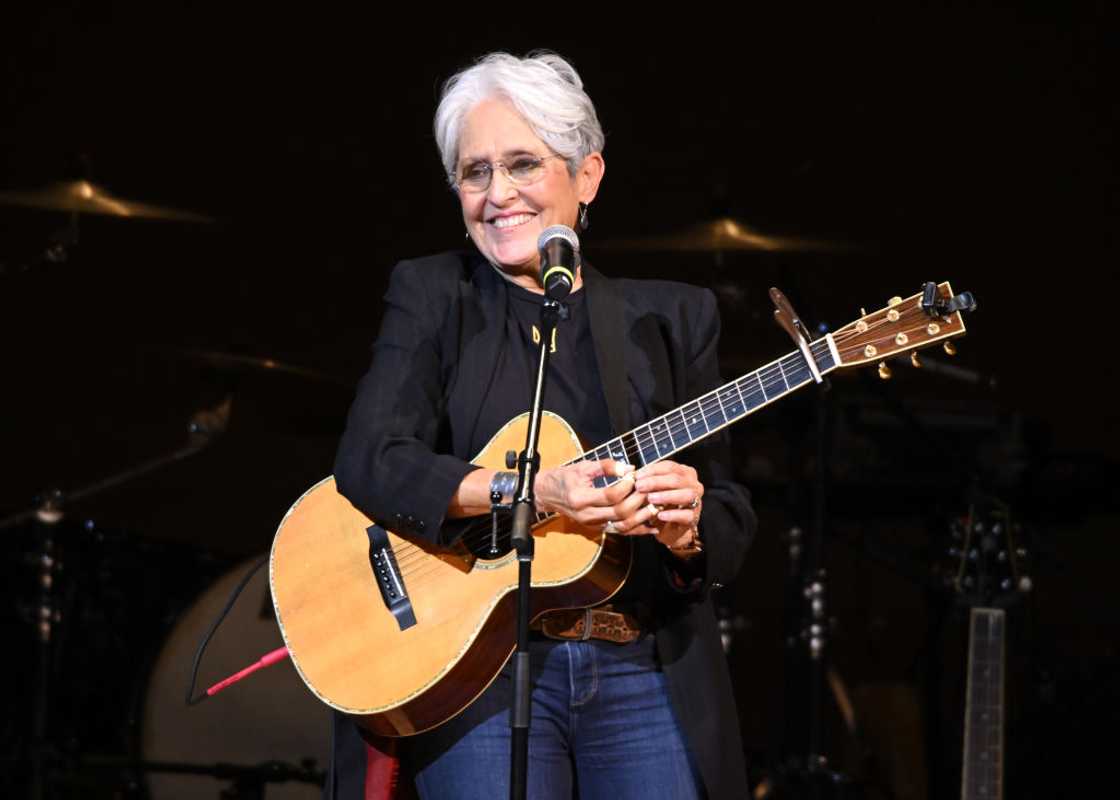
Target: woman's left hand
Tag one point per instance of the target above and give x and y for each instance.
(676, 490)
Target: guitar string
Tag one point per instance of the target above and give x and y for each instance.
(647, 440)
(477, 535)
(647, 436)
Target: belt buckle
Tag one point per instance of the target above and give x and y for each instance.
(586, 625)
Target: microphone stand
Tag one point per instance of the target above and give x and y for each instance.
(524, 512)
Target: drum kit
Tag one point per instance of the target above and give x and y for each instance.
(105, 714)
(115, 618)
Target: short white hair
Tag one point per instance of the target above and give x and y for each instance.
(544, 89)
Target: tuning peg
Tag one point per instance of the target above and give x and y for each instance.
(914, 360)
(1025, 584)
(884, 371)
(950, 348)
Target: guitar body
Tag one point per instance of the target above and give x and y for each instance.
(398, 679)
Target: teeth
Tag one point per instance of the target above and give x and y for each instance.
(509, 222)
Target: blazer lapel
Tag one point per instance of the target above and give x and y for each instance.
(607, 311)
(483, 301)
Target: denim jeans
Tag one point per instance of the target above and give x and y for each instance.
(602, 729)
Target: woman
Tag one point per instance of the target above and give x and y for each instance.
(649, 705)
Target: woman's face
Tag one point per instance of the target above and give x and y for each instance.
(505, 220)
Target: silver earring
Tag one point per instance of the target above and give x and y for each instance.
(583, 223)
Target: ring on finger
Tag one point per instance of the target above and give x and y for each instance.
(610, 527)
(695, 502)
(654, 509)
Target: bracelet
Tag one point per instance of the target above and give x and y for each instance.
(693, 546)
(503, 484)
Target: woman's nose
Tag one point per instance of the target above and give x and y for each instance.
(502, 188)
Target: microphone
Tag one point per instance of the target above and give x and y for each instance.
(559, 249)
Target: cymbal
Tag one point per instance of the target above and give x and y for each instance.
(718, 236)
(240, 364)
(83, 197)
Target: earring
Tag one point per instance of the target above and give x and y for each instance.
(467, 235)
(583, 223)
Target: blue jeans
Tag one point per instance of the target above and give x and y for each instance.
(602, 729)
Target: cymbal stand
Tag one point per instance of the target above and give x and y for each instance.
(56, 251)
(808, 577)
(45, 615)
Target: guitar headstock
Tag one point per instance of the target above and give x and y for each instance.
(903, 325)
(988, 559)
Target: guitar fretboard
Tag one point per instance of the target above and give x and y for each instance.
(982, 768)
(672, 432)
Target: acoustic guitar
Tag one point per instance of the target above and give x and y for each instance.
(404, 634)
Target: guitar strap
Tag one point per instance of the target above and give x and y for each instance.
(606, 310)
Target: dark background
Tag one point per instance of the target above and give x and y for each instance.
(974, 146)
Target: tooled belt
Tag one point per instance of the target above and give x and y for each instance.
(588, 623)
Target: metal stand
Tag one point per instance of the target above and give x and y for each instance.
(808, 580)
(524, 512)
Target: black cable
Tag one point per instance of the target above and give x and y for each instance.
(193, 701)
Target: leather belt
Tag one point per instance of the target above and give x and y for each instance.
(588, 623)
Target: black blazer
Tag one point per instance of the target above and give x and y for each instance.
(404, 453)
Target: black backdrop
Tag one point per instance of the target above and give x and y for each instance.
(968, 145)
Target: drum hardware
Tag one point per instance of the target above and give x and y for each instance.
(272, 717)
(203, 427)
(47, 617)
(247, 782)
(56, 251)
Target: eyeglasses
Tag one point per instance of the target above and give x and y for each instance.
(522, 171)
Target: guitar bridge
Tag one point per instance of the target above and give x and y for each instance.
(387, 575)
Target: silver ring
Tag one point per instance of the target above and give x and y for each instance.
(609, 527)
(695, 502)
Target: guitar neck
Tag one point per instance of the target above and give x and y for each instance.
(982, 768)
(682, 427)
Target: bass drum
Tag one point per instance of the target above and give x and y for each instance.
(269, 719)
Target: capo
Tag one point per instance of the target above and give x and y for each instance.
(936, 306)
(791, 323)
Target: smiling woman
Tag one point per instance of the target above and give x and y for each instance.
(630, 687)
(514, 178)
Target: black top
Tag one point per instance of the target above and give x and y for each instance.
(573, 388)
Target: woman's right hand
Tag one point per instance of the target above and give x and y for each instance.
(570, 490)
